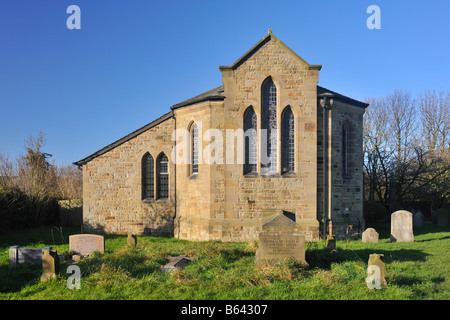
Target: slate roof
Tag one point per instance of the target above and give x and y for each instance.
(340, 97)
(215, 94)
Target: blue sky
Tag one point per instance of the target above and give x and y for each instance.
(132, 60)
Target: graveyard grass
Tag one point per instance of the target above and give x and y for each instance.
(418, 270)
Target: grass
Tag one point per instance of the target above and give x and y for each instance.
(418, 270)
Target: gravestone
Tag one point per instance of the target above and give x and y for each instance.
(331, 242)
(402, 226)
(178, 262)
(418, 219)
(50, 265)
(280, 240)
(85, 244)
(132, 240)
(443, 217)
(375, 260)
(19, 255)
(370, 235)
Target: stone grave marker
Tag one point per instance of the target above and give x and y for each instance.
(19, 255)
(402, 226)
(370, 235)
(178, 262)
(331, 242)
(132, 240)
(443, 215)
(418, 219)
(85, 244)
(279, 240)
(375, 260)
(50, 265)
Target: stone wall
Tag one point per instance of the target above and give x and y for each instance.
(344, 193)
(112, 194)
(247, 196)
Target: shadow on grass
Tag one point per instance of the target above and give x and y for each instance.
(323, 258)
(14, 279)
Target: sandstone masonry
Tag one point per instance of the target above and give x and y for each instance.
(220, 202)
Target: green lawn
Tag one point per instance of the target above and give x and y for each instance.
(419, 270)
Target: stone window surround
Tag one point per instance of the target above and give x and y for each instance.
(155, 174)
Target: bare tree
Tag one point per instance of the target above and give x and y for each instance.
(406, 147)
(434, 109)
(69, 182)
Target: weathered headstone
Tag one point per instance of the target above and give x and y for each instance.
(19, 255)
(178, 262)
(280, 240)
(443, 215)
(132, 240)
(402, 226)
(418, 219)
(375, 260)
(85, 244)
(50, 265)
(331, 242)
(370, 235)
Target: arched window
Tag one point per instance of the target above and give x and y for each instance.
(193, 130)
(162, 164)
(269, 126)
(148, 174)
(287, 141)
(250, 142)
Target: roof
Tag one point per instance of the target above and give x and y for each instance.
(216, 94)
(321, 91)
(257, 46)
(124, 139)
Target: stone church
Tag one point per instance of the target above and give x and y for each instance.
(282, 145)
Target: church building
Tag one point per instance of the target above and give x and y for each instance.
(267, 141)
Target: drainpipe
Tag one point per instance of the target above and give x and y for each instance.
(325, 106)
(175, 172)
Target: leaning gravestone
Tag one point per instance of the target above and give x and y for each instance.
(50, 265)
(375, 260)
(85, 244)
(402, 226)
(418, 219)
(370, 235)
(280, 240)
(331, 242)
(132, 240)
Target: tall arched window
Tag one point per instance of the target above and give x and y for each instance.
(148, 174)
(269, 126)
(193, 130)
(287, 141)
(162, 164)
(250, 142)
